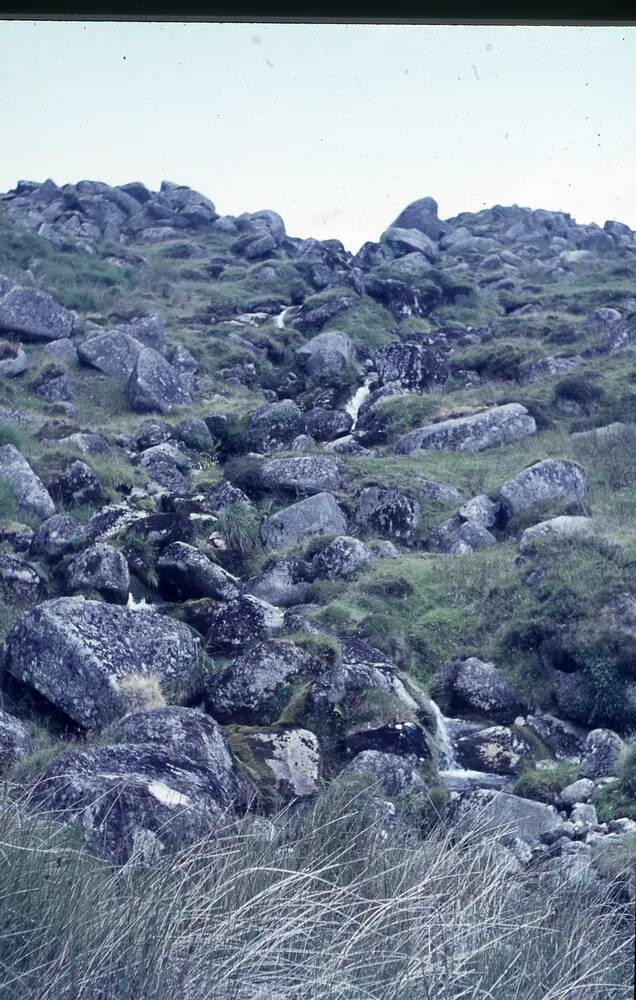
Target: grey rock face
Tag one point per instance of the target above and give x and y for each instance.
(421, 215)
(563, 738)
(34, 315)
(191, 734)
(549, 480)
(132, 801)
(255, 687)
(326, 353)
(20, 584)
(496, 749)
(57, 536)
(460, 537)
(113, 352)
(242, 622)
(292, 758)
(545, 367)
(406, 241)
(577, 791)
(185, 572)
(274, 425)
(103, 568)
(284, 584)
(603, 749)
(151, 432)
(301, 476)
(327, 425)
(394, 775)
(63, 350)
(477, 686)
(317, 515)
(155, 385)
(507, 816)
(413, 366)
(11, 367)
(554, 528)
(30, 494)
(388, 511)
(78, 485)
(93, 660)
(342, 558)
(15, 741)
(477, 432)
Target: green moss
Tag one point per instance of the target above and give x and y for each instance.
(544, 785)
(324, 647)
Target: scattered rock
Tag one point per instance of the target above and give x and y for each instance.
(274, 425)
(57, 536)
(388, 511)
(549, 480)
(154, 384)
(20, 584)
(30, 494)
(185, 572)
(394, 775)
(603, 749)
(477, 686)
(15, 741)
(340, 559)
(301, 476)
(326, 354)
(242, 622)
(477, 432)
(100, 567)
(34, 315)
(281, 764)
(317, 515)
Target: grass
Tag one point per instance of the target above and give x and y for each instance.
(323, 906)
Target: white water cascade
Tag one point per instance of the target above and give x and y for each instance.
(279, 321)
(361, 394)
(453, 777)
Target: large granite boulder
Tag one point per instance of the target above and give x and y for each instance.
(185, 572)
(421, 215)
(504, 816)
(274, 425)
(476, 685)
(388, 511)
(406, 241)
(553, 529)
(57, 536)
(301, 476)
(113, 352)
(547, 481)
(326, 353)
(282, 764)
(241, 622)
(34, 315)
(155, 385)
(477, 432)
(394, 775)
(413, 367)
(256, 687)
(30, 494)
(93, 660)
(101, 567)
(317, 515)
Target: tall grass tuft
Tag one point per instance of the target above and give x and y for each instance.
(317, 906)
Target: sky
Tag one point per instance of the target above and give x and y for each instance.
(336, 127)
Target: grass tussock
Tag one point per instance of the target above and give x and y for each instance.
(320, 906)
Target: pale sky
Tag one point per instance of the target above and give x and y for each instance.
(336, 127)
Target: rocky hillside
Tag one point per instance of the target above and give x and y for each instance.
(273, 514)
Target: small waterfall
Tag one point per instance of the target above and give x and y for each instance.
(361, 394)
(140, 605)
(447, 759)
(279, 321)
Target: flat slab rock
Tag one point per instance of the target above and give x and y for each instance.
(477, 432)
(318, 515)
(95, 661)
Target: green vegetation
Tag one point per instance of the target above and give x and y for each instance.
(545, 784)
(618, 798)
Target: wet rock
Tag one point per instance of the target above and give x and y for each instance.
(550, 480)
(407, 739)
(20, 584)
(326, 354)
(15, 741)
(388, 511)
(475, 685)
(256, 687)
(155, 385)
(57, 536)
(274, 425)
(34, 315)
(603, 749)
(29, 492)
(301, 476)
(94, 660)
(342, 558)
(185, 572)
(317, 515)
(327, 425)
(242, 622)
(100, 567)
(497, 749)
(561, 737)
(477, 432)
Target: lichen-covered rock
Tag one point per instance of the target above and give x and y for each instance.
(164, 468)
(327, 425)
(282, 764)
(132, 801)
(151, 432)
(460, 537)
(406, 241)
(93, 660)
(155, 385)
(15, 741)
(274, 425)
(192, 734)
(497, 749)
(195, 434)
(302, 476)
(87, 443)
(603, 749)
(100, 567)
(477, 432)
(535, 370)
(113, 352)
(563, 738)
(29, 492)
(63, 350)
(255, 688)
(317, 515)
(13, 364)
(242, 622)
(34, 315)
(20, 583)
(574, 696)
(477, 686)
(186, 572)
(415, 367)
(549, 480)
(479, 510)
(503, 815)
(57, 536)
(340, 559)
(422, 215)
(148, 330)
(284, 584)
(388, 511)
(394, 775)
(78, 485)
(577, 791)
(326, 353)
(563, 526)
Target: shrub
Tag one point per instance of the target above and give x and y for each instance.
(580, 389)
(544, 785)
(498, 360)
(240, 527)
